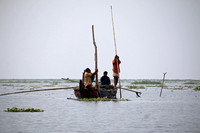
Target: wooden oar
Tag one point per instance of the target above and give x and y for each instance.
(116, 52)
(137, 93)
(36, 90)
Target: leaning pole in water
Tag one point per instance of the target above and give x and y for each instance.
(116, 52)
(96, 60)
(162, 83)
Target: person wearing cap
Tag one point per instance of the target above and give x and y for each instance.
(116, 69)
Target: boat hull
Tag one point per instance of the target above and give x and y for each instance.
(104, 92)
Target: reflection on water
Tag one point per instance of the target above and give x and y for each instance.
(176, 111)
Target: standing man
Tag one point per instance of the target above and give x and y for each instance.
(88, 82)
(116, 70)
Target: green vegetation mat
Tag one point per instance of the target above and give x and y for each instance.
(146, 82)
(197, 88)
(190, 82)
(135, 87)
(15, 109)
(101, 99)
(94, 99)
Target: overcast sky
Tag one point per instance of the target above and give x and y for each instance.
(53, 38)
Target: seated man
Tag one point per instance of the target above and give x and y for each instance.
(105, 80)
(88, 82)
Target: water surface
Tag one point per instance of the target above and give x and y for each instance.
(178, 110)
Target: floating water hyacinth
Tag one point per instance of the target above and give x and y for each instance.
(190, 82)
(15, 109)
(94, 99)
(101, 99)
(123, 99)
(135, 87)
(197, 88)
(146, 82)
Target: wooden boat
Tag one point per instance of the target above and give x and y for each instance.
(104, 91)
(107, 91)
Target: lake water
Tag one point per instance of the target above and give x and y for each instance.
(178, 110)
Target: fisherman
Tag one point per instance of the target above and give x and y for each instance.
(88, 82)
(116, 70)
(105, 80)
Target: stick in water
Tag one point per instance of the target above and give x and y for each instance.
(163, 83)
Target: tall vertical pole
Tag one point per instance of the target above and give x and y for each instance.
(116, 51)
(96, 65)
(113, 31)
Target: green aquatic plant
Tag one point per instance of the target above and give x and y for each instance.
(197, 88)
(21, 89)
(177, 88)
(146, 82)
(165, 86)
(125, 99)
(101, 99)
(94, 99)
(132, 87)
(135, 87)
(33, 87)
(48, 85)
(7, 85)
(55, 83)
(15, 109)
(189, 86)
(190, 82)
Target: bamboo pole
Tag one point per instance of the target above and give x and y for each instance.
(36, 90)
(113, 31)
(116, 51)
(96, 59)
(163, 83)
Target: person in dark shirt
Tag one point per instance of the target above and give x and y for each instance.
(105, 80)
